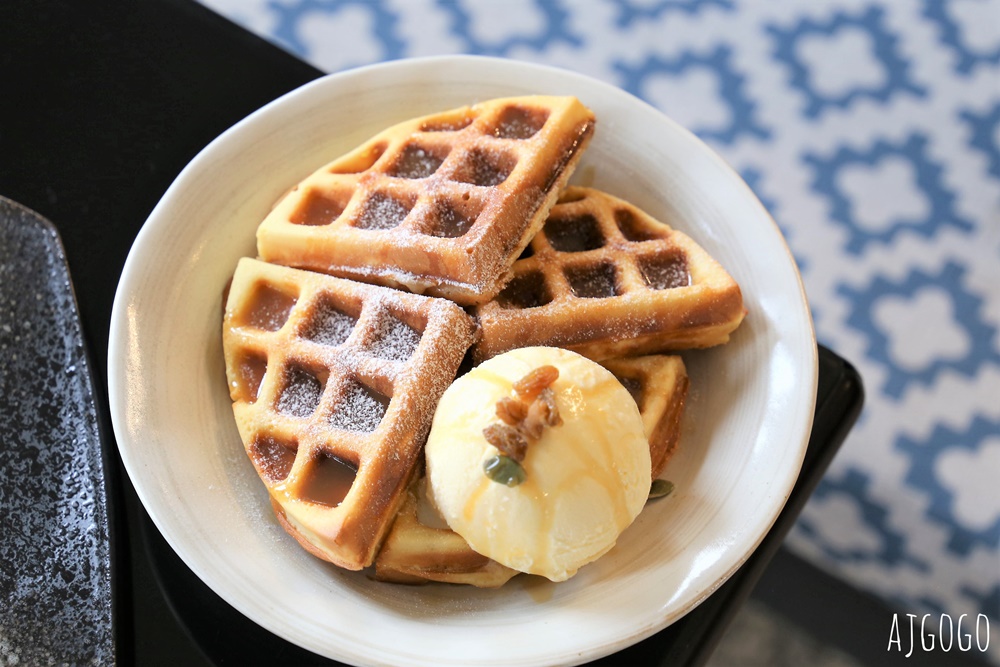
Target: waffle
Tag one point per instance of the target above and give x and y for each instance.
(659, 385)
(334, 384)
(606, 280)
(439, 205)
(420, 547)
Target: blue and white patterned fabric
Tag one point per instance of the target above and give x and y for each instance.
(871, 131)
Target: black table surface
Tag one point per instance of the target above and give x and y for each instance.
(102, 103)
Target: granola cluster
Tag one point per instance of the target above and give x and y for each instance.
(523, 418)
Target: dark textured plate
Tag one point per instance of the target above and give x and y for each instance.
(55, 553)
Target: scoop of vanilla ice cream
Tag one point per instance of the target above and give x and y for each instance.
(585, 480)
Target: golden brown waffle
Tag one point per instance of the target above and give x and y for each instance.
(420, 547)
(606, 280)
(439, 205)
(659, 385)
(334, 385)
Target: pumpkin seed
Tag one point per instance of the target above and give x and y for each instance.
(660, 488)
(504, 470)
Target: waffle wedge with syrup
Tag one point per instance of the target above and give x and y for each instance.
(334, 384)
(605, 279)
(439, 205)
(420, 547)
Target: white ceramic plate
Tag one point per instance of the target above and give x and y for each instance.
(745, 429)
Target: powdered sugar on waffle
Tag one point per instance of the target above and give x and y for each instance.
(440, 205)
(329, 326)
(368, 399)
(301, 394)
(358, 409)
(393, 339)
(382, 212)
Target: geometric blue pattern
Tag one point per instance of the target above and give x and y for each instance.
(630, 12)
(855, 485)
(985, 135)
(941, 211)
(967, 314)
(988, 601)
(870, 129)
(896, 69)
(718, 62)
(967, 58)
(291, 16)
(753, 177)
(556, 29)
(924, 456)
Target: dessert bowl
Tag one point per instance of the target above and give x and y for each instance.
(745, 429)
